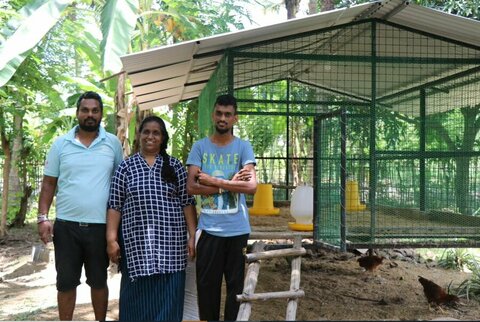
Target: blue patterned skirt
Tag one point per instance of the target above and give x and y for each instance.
(157, 297)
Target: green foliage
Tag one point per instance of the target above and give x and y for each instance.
(37, 18)
(184, 126)
(457, 259)
(118, 20)
(465, 8)
(470, 288)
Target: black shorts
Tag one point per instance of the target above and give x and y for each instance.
(78, 244)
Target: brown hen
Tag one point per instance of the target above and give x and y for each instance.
(370, 262)
(435, 294)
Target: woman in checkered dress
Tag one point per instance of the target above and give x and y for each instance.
(148, 218)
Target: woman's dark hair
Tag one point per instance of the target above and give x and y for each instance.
(168, 172)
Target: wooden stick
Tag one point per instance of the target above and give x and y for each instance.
(275, 253)
(278, 235)
(294, 282)
(270, 295)
(251, 280)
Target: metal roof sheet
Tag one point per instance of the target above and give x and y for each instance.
(178, 72)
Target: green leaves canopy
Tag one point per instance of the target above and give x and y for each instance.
(118, 22)
(38, 18)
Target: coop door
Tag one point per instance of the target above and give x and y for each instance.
(329, 179)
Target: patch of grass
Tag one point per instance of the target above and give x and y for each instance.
(457, 259)
(25, 316)
(470, 288)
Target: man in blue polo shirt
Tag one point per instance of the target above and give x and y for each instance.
(78, 170)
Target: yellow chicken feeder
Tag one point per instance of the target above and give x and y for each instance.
(352, 197)
(263, 201)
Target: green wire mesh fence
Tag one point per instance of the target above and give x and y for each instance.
(410, 173)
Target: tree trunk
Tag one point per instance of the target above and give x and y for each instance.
(328, 5)
(140, 116)
(312, 7)
(292, 8)
(19, 220)
(471, 126)
(191, 128)
(462, 181)
(15, 188)
(295, 134)
(123, 115)
(462, 178)
(6, 172)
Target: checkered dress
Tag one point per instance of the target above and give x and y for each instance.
(153, 223)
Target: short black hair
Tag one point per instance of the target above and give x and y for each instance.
(90, 95)
(225, 100)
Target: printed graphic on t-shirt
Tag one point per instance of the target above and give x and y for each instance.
(220, 166)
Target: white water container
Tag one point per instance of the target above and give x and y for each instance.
(301, 204)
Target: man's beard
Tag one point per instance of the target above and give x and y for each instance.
(222, 130)
(89, 128)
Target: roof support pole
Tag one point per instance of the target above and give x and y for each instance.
(287, 161)
(422, 149)
(373, 132)
(230, 71)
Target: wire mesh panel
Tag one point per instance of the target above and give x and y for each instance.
(284, 156)
(328, 179)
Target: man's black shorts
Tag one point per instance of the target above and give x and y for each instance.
(77, 244)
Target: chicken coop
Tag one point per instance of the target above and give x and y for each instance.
(376, 106)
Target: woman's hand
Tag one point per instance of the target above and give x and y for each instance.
(113, 251)
(191, 247)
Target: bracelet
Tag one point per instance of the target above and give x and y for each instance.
(220, 191)
(41, 218)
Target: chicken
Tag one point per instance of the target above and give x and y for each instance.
(370, 262)
(435, 294)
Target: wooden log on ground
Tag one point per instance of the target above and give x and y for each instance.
(294, 282)
(275, 253)
(278, 235)
(270, 295)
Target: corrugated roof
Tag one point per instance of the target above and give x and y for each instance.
(179, 72)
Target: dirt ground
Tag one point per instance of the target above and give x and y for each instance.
(335, 287)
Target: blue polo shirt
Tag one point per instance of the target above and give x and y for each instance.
(84, 175)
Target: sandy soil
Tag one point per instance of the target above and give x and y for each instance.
(336, 288)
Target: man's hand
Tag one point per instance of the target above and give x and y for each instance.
(242, 175)
(204, 178)
(45, 231)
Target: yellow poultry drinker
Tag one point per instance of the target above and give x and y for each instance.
(352, 197)
(263, 201)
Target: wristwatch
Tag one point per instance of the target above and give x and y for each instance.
(41, 218)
